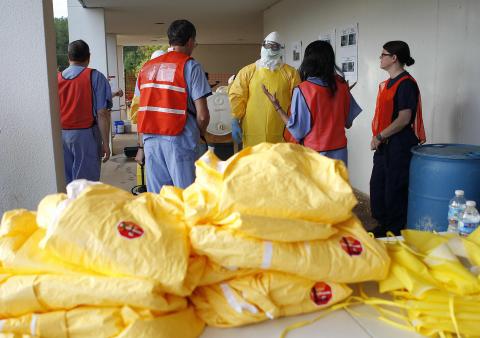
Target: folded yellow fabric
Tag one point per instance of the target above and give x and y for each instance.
(23, 294)
(109, 231)
(277, 229)
(284, 181)
(434, 278)
(19, 247)
(360, 256)
(262, 296)
(86, 322)
(214, 273)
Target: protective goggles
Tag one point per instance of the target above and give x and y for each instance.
(271, 45)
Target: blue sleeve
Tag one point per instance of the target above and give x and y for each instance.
(299, 123)
(354, 111)
(102, 93)
(197, 82)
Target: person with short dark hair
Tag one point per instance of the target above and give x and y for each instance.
(85, 99)
(322, 106)
(172, 113)
(397, 126)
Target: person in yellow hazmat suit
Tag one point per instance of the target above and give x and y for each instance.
(254, 118)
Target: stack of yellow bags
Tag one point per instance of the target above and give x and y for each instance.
(276, 224)
(434, 279)
(268, 233)
(98, 262)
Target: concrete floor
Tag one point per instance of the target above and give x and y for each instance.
(120, 171)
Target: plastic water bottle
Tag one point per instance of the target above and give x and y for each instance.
(455, 208)
(470, 219)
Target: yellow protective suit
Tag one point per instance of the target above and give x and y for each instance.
(290, 183)
(434, 278)
(349, 256)
(109, 231)
(259, 120)
(265, 295)
(133, 111)
(124, 322)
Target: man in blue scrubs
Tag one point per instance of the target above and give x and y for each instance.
(169, 157)
(85, 99)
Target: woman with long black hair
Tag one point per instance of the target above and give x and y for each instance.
(322, 106)
(396, 127)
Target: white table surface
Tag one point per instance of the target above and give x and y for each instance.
(337, 324)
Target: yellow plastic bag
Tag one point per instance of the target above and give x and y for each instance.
(214, 273)
(285, 181)
(262, 296)
(183, 324)
(19, 247)
(349, 256)
(277, 229)
(109, 231)
(86, 322)
(23, 294)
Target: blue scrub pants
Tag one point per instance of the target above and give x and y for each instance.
(168, 163)
(82, 149)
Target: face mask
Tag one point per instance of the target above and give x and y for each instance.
(268, 54)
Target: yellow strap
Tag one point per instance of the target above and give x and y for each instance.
(451, 306)
(298, 325)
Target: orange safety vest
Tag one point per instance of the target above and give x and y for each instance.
(384, 109)
(163, 95)
(76, 100)
(328, 115)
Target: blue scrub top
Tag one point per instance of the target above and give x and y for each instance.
(197, 87)
(299, 123)
(102, 93)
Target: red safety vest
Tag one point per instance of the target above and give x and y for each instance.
(384, 109)
(328, 115)
(76, 100)
(163, 95)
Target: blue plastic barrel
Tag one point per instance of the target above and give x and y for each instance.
(436, 171)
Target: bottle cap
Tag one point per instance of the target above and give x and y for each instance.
(459, 192)
(471, 203)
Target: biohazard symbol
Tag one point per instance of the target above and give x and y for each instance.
(351, 246)
(321, 293)
(129, 230)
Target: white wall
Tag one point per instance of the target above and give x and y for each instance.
(226, 58)
(88, 24)
(30, 137)
(443, 38)
(112, 75)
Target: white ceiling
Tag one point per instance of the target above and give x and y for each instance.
(217, 22)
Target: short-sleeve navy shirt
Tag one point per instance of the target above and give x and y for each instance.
(406, 96)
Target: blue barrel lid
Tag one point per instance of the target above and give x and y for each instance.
(450, 151)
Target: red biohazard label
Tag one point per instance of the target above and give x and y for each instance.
(351, 246)
(129, 230)
(321, 293)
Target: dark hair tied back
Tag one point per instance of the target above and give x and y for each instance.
(401, 50)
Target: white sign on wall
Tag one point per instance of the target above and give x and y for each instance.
(296, 53)
(329, 37)
(347, 52)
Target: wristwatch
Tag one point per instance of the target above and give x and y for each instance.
(379, 137)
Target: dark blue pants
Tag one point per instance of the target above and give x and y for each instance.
(389, 182)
